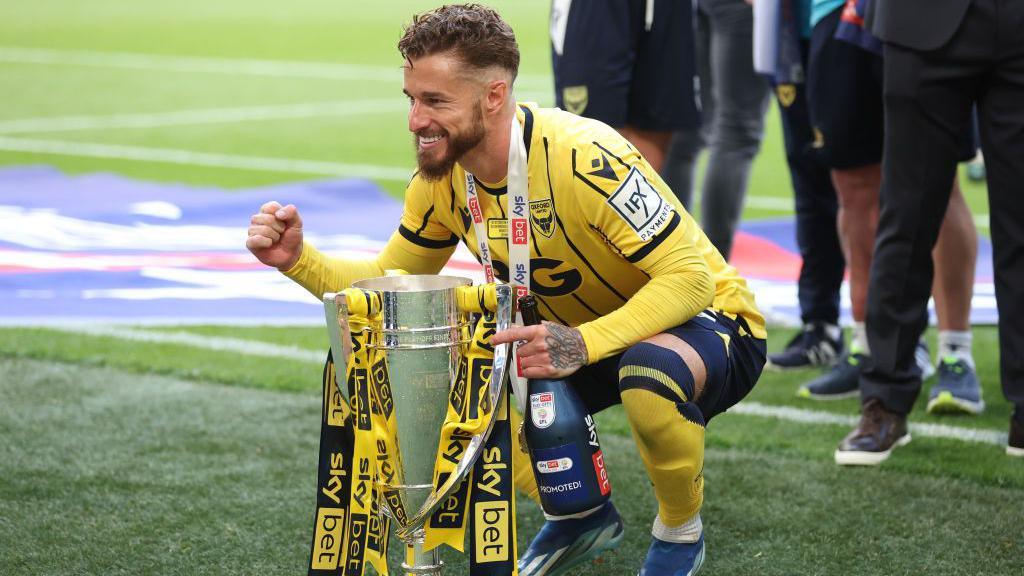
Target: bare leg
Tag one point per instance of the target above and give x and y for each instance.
(858, 189)
(955, 254)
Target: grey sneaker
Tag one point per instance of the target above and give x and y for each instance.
(841, 381)
(817, 344)
(957, 390)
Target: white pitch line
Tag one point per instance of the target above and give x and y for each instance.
(818, 417)
(191, 158)
(203, 116)
(239, 346)
(770, 203)
(228, 66)
(256, 348)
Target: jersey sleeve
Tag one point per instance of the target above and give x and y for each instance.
(640, 218)
(421, 245)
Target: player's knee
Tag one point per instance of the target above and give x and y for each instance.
(656, 369)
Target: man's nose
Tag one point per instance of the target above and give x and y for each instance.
(417, 119)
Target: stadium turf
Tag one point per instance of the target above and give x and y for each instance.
(127, 457)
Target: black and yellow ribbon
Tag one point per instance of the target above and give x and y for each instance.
(358, 451)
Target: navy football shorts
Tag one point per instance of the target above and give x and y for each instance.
(732, 369)
(844, 93)
(609, 66)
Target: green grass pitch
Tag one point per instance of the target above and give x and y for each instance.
(121, 457)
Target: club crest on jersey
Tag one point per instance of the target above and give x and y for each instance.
(786, 94)
(542, 409)
(641, 205)
(575, 99)
(542, 215)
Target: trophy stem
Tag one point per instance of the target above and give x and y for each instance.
(420, 563)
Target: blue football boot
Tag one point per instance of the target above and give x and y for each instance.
(673, 559)
(563, 544)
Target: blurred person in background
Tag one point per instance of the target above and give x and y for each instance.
(940, 59)
(734, 100)
(629, 64)
(845, 94)
(820, 342)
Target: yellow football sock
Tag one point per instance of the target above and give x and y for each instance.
(670, 438)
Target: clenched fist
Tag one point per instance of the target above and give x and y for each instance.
(275, 235)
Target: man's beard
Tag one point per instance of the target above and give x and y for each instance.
(433, 170)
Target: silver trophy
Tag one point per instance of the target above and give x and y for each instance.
(422, 331)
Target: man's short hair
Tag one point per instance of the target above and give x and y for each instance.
(475, 34)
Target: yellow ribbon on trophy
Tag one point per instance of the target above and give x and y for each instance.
(364, 474)
(469, 408)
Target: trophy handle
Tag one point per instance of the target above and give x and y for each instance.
(496, 387)
(336, 315)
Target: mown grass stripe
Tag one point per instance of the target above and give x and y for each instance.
(237, 345)
(229, 66)
(204, 116)
(217, 160)
(257, 348)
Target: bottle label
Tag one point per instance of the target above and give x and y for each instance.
(553, 466)
(542, 409)
(562, 482)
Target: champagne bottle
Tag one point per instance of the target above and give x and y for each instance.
(562, 438)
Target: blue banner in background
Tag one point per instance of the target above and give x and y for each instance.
(106, 248)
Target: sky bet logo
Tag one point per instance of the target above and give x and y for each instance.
(552, 466)
(519, 231)
(520, 278)
(492, 537)
(327, 543)
(474, 209)
(519, 225)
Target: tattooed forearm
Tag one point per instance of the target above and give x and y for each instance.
(565, 347)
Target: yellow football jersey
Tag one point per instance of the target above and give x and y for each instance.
(612, 251)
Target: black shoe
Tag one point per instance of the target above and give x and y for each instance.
(1015, 444)
(841, 381)
(877, 433)
(817, 345)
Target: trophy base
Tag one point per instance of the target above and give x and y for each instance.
(419, 562)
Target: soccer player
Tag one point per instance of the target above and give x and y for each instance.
(640, 308)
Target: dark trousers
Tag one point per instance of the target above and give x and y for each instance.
(821, 273)
(928, 99)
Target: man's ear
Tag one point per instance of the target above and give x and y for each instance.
(496, 95)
